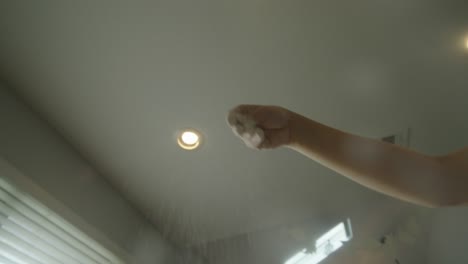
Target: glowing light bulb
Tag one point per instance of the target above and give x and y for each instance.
(189, 139)
(466, 42)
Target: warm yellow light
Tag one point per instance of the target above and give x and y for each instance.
(189, 139)
(466, 42)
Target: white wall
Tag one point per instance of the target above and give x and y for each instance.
(40, 153)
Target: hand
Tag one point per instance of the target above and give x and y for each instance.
(261, 127)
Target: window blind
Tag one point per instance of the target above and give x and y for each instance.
(30, 233)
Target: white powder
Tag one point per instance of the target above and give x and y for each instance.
(246, 128)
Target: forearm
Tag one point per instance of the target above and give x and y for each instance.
(383, 167)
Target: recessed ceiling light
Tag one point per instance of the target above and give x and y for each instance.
(189, 139)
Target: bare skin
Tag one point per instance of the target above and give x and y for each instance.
(432, 181)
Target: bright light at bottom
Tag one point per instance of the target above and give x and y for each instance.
(328, 243)
(189, 139)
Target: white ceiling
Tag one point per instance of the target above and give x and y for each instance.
(119, 78)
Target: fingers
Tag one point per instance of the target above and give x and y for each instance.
(271, 139)
(243, 115)
(260, 127)
(254, 138)
(245, 127)
(260, 114)
(246, 109)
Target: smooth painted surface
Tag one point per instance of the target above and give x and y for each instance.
(40, 154)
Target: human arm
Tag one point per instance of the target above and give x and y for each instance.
(399, 172)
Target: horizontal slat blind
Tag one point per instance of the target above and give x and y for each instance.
(30, 233)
